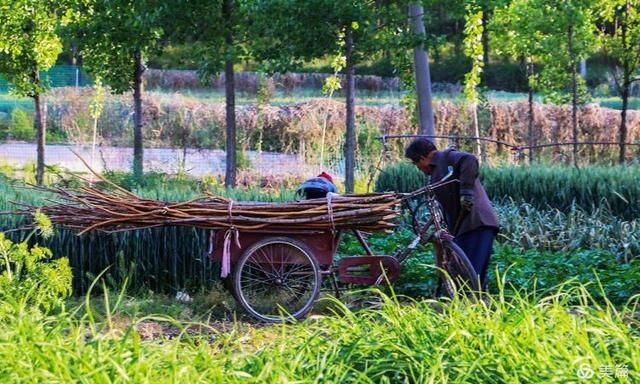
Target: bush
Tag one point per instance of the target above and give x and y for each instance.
(29, 275)
(21, 125)
(505, 77)
(382, 67)
(400, 177)
(450, 69)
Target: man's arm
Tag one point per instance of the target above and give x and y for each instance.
(467, 166)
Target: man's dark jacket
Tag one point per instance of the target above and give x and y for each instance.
(465, 169)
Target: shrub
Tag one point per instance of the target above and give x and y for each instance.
(400, 177)
(29, 275)
(21, 125)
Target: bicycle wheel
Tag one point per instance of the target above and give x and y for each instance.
(457, 272)
(277, 279)
(416, 214)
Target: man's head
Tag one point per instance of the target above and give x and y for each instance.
(421, 152)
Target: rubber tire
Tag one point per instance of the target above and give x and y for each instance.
(276, 318)
(456, 256)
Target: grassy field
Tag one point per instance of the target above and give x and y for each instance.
(521, 338)
(564, 306)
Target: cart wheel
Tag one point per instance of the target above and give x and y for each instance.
(277, 279)
(460, 274)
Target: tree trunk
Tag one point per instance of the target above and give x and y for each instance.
(423, 77)
(626, 83)
(476, 131)
(40, 128)
(457, 39)
(623, 122)
(137, 118)
(350, 143)
(230, 99)
(485, 37)
(530, 130)
(574, 98)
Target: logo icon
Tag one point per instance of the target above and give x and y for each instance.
(584, 372)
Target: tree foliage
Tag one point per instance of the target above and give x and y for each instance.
(565, 32)
(285, 33)
(473, 31)
(29, 41)
(620, 37)
(111, 32)
(115, 38)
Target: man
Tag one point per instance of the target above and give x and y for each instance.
(465, 205)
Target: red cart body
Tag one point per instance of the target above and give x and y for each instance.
(323, 244)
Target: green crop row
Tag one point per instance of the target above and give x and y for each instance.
(616, 188)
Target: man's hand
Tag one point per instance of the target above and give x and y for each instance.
(466, 202)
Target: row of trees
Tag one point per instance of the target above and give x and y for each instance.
(114, 38)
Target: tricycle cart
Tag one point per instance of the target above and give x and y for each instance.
(276, 276)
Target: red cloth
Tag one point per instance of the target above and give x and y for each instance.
(326, 176)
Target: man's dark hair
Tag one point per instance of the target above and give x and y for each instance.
(418, 148)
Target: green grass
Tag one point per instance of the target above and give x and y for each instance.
(519, 338)
(535, 327)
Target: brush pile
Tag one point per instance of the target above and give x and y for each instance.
(88, 208)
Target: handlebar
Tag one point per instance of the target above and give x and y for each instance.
(430, 187)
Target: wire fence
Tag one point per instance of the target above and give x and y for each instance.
(195, 162)
(200, 162)
(57, 76)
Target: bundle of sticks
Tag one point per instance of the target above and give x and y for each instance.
(90, 208)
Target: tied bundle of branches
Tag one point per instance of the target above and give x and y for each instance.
(90, 208)
(87, 209)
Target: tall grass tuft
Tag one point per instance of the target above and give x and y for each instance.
(503, 339)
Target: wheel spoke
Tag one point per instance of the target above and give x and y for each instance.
(277, 276)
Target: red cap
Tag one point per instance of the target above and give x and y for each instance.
(326, 176)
